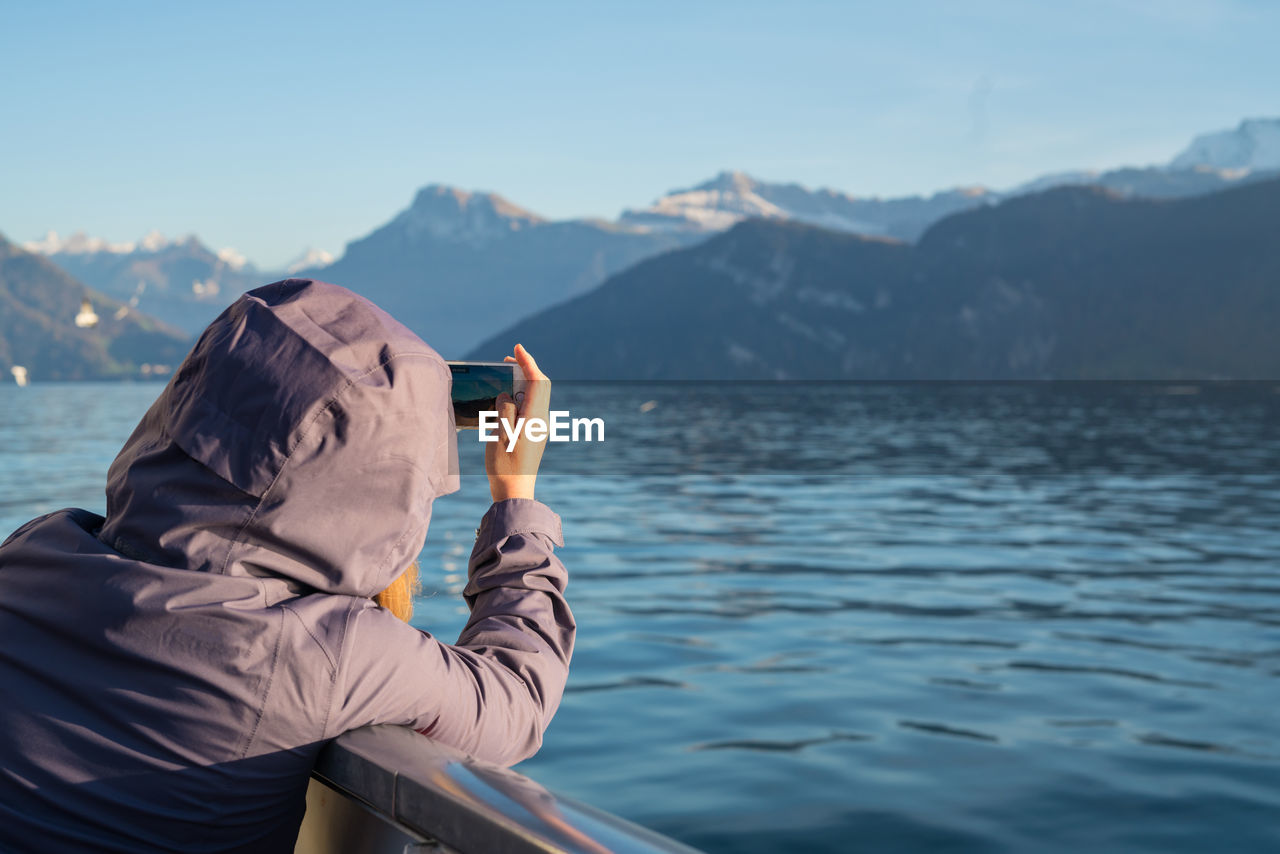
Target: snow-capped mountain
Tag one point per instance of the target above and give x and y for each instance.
(308, 259)
(1252, 146)
(731, 197)
(1007, 291)
(180, 281)
(1212, 162)
(712, 206)
(82, 244)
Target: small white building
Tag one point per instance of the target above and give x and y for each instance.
(87, 318)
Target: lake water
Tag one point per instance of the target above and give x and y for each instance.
(916, 618)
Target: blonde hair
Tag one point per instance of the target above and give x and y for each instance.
(398, 597)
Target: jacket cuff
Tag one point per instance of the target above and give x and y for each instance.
(518, 516)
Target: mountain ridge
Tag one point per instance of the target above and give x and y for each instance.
(39, 307)
(181, 281)
(454, 282)
(1069, 283)
(1253, 145)
(439, 262)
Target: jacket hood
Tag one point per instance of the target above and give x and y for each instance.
(305, 437)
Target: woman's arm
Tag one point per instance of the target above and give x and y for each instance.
(494, 692)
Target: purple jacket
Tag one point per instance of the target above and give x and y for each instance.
(169, 673)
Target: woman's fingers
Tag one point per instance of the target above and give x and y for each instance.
(512, 473)
(536, 399)
(506, 410)
(527, 364)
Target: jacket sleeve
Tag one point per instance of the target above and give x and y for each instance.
(493, 693)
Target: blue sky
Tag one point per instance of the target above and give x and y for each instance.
(270, 127)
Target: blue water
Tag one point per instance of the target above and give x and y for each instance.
(883, 618)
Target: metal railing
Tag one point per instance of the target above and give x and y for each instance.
(389, 789)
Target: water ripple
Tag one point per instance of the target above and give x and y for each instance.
(628, 682)
(1046, 667)
(779, 746)
(946, 729)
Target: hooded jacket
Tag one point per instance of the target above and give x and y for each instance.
(169, 673)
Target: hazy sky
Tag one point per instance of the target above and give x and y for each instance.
(270, 127)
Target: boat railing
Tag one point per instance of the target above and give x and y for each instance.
(389, 789)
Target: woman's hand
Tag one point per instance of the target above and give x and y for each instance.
(512, 473)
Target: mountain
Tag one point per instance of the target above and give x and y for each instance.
(1151, 182)
(731, 197)
(1212, 162)
(457, 216)
(456, 265)
(308, 259)
(39, 307)
(1253, 146)
(181, 282)
(1073, 282)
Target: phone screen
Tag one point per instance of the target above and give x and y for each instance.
(476, 386)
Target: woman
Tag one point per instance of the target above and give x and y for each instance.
(170, 672)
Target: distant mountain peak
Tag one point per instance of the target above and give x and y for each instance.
(1252, 146)
(78, 243)
(152, 242)
(310, 259)
(713, 205)
(729, 180)
(450, 213)
(732, 196)
(232, 258)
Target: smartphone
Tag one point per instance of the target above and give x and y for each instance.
(476, 386)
